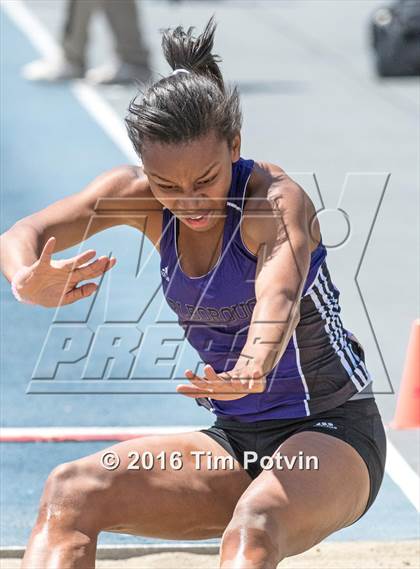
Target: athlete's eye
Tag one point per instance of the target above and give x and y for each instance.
(207, 181)
(168, 188)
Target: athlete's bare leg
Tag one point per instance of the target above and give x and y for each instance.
(285, 512)
(81, 498)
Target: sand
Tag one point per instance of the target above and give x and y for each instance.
(342, 555)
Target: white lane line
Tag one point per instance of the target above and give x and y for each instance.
(120, 552)
(403, 475)
(106, 117)
(39, 36)
(39, 434)
(87, 96)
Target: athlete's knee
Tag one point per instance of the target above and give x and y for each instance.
(272, 524)
(255, 535)
(74, 495)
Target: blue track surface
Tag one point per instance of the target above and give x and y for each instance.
(50, 148)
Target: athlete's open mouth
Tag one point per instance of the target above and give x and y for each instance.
(198, 219)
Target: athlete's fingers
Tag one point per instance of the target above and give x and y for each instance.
(244, 377)
(110, 259)
(99, 259)
(79, 260)
(47, 251)
(239, 379)
(79, 292)
(77, 268)
(212, 376)
(196, 379)
(242, 381)
(257, 383)
(220, 382)
(233, 378)
(193, 390)
(111, 263)
(95, 269)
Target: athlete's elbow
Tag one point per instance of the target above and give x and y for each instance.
(295, 315)
(21, 231)
(283, 299)
(291, 310)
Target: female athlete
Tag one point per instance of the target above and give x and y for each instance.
(244, 268)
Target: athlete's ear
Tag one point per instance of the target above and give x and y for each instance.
(235, 148)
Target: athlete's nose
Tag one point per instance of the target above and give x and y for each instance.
(192, 205)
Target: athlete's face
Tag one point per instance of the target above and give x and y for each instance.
(193, 179)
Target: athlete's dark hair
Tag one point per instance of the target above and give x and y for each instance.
(182, 107)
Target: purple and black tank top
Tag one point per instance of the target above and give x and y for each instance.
(323, 364)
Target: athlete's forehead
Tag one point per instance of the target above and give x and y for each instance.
(188, 161)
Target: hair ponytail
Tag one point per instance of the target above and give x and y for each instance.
(184, 106)
(183, 50)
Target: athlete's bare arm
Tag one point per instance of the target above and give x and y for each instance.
(280, 226)
(120, 196)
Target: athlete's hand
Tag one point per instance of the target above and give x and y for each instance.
(225, 386)
(53, 283)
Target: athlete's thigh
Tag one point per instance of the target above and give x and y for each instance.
(309, 501)
(163, 488)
